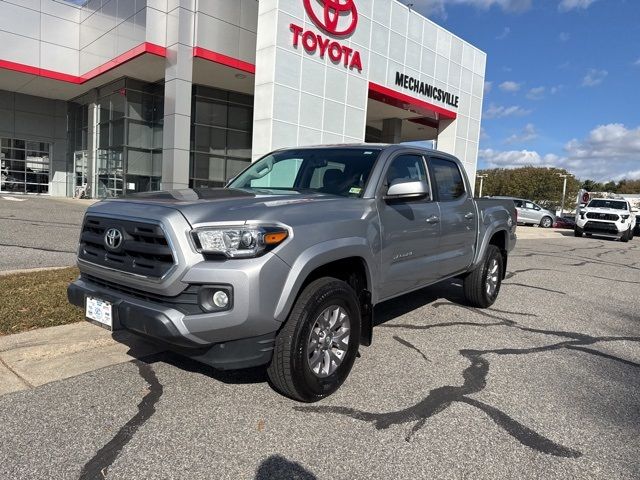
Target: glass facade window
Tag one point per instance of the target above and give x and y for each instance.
(128, 150)
(129, 157)
(24, 166)
(221, 132)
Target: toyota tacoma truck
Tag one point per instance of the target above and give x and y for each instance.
(606, 217)
(284, 265)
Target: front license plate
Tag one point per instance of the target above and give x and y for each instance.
(99, 311)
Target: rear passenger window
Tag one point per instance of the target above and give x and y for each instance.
(518, 203)
(448, 179)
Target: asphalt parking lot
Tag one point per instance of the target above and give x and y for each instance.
(545, 384)
(38, 232)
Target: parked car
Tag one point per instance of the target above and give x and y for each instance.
(530, 213)
(283, 267)
(607, 217)
(564, 222)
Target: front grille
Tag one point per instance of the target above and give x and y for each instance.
(144, 249)
(603, 216)
(185, 302)
(601, 227)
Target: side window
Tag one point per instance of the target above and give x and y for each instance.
(448, 179)
(406, 168)
(528, 205)
(518, 203)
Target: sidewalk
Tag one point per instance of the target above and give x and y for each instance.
(530, 233)
(31, 359)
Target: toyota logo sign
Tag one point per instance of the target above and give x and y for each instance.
(113, 239)
(337, 17)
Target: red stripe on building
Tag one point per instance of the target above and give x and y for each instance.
(135, 52)
(212, 56)
(406, 102)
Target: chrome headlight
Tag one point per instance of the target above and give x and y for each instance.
(238, 242)
(624, 217)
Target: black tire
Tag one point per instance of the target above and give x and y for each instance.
(577, 232)
(289, 370)
(625, 237)
(475, 283)
(546, 222)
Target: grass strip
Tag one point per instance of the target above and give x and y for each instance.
(36, 300)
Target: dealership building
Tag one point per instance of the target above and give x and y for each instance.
(112, 97)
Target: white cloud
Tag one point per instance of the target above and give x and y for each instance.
(487, 87)
(527, 134)
(564, 36)
(566, 5)
(556, 89)
(510, 86)
(536, 93)
(610, 152)
(437, 7)
(505, 33)
(594, 77)
(637, 63)
(499, 111)
(515, 158)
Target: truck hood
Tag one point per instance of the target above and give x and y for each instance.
(209, 205)
(605, 210)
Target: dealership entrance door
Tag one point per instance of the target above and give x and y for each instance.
(80, 178)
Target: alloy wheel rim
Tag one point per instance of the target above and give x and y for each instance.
(328, 341)
(492, 279)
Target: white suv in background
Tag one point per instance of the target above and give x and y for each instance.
(606, 217)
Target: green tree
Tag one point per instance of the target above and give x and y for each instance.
(540, 184)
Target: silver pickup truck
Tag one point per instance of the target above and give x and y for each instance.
(284, 266)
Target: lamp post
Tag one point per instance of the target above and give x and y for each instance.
(481, 177)
(564, 191)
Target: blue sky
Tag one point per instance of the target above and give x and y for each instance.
(563, 81)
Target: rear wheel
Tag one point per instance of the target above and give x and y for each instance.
(546, 222)
(482, 285)
(317, 346)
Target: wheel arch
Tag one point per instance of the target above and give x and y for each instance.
(351, 262)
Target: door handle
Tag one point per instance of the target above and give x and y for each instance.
(433, 220)
(469, 216)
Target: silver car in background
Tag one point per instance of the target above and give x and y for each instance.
(530, 213)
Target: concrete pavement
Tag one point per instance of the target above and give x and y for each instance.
(544, 384)
(32, 359)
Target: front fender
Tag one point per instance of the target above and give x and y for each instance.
(317, 256)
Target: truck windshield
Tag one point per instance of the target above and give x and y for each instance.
(334, 171)
(608, 204)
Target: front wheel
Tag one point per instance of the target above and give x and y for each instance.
(318, 344)
(625, 236)
(577, 232)
(546, 222)
(482, 285)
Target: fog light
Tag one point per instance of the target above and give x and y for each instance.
(220, 299)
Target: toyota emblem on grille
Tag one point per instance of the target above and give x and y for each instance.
(113, 239)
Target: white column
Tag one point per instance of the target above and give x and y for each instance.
(177, 96)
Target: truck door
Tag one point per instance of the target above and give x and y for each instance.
(410, 231)
(458, 216)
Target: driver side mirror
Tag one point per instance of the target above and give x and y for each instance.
(407, 191)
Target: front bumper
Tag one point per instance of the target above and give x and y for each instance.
(610, 229)
(167, 326)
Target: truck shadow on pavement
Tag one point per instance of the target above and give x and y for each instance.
(474, 376)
